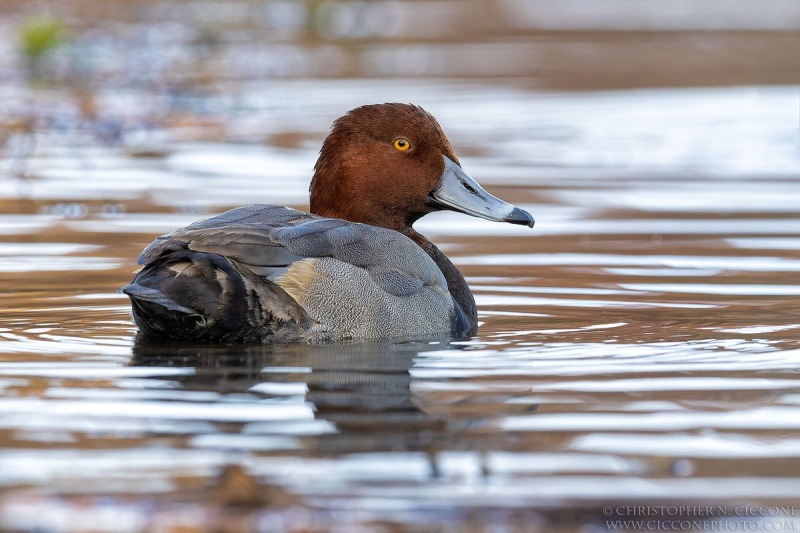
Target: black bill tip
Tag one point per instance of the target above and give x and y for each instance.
(521, 217)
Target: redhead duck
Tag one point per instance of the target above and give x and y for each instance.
(352, 269)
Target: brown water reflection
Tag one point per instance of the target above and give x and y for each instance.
(632, 351)
(639, 347)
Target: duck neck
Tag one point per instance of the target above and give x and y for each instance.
(456, 284)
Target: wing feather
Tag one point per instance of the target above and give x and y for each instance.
(268, 238)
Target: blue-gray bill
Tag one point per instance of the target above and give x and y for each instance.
(458, 191)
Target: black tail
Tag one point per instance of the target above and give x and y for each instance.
(201, 297)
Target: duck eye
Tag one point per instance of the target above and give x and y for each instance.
(402, 144)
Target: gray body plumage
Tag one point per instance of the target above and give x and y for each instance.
(266, 273)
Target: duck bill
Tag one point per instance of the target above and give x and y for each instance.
(457, 191)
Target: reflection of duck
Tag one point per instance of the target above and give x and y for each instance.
(266, 273)
(361, 397)
(362, 389)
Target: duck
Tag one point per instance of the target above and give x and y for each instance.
(351, 269)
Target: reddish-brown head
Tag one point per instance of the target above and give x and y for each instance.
(389, 164)
(379, 165)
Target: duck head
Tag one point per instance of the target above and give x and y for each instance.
(390, 164)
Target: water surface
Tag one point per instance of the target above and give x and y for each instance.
(639, 346)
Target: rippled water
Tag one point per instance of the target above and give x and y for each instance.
(638, 347)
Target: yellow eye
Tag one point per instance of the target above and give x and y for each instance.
(402, 144)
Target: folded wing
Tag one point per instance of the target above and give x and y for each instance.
(272, 274)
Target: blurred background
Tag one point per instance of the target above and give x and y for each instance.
(195, 68)
(146, 77)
